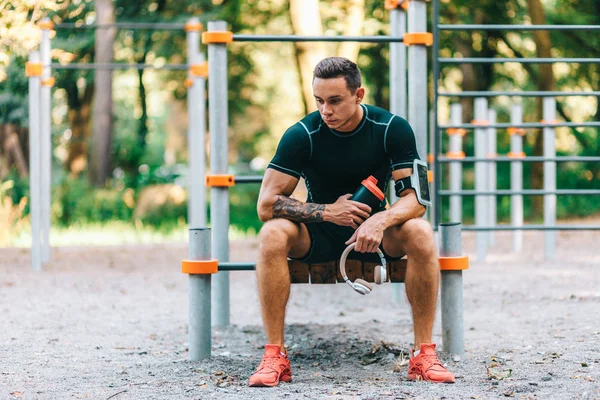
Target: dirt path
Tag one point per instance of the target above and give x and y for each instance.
(111, 323)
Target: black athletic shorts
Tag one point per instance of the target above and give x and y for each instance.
(327, 243)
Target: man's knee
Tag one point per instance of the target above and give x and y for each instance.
(277, 235)
(418, 236)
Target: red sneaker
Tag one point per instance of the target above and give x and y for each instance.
(273, 368)
(427, 367)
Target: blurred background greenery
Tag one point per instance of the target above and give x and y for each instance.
(141, 194)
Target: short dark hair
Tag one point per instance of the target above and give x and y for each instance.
(335, 67)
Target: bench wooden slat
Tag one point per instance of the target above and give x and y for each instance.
(354, 270)
(323, 273)
(299, 272)
(329, 272)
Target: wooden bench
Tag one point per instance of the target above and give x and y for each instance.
(329, 272)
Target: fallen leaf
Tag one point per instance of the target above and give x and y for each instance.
(499, 374)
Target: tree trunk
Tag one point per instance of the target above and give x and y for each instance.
(79, 113)
(306, 20)
(546, 82)
(102, 131)
(355, 18)
(12, 151)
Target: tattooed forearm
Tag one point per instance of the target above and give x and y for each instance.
(297, 211)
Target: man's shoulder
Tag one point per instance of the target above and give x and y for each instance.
(382, 116)
(378, 115)
(309, 124)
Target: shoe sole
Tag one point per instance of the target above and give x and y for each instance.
(284, 378)
(418, 377)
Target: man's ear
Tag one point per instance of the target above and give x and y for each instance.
(360, 94)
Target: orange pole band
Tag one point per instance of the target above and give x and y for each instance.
(519, 154)
(200, 70)
(199, 267)
(430, 158)
(429, 176)
(516, 131)
(217, 37)
(191, 27)
(394, 4)
(220, 180)
(33, 69)
(46, 25)
(188, 83)
(457, 155)
(422, 38)
(459, 263)
(481, 122)
(456, 131)
(48, 82)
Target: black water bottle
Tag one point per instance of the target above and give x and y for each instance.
(369, 193)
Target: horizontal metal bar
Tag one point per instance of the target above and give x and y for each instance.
(530, 93)
(530, 192)
(236, 266)
(298, 38)
(493, 60)
(117, 66)
(124, 25)
(249, 179)
(501, 27)
(444, 159)
(505, 125)
(531, 228)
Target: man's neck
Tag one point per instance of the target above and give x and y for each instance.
(354, 121)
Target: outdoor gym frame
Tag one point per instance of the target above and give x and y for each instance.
(217, 38)
(209, 251)
(485, 160)
(39, 70)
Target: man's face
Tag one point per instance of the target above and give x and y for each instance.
(337, 104)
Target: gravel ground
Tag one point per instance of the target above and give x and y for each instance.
(111, 323)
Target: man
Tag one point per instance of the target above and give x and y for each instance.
(334, 149)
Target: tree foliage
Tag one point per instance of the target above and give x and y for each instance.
(265, 95)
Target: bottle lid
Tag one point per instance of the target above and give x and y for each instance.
(371, 184)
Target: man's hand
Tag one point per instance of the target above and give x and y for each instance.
(369, 235)
(346, 212)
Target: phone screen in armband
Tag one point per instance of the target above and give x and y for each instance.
(424, 183)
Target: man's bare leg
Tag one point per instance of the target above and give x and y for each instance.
(415, 239)
(278, 239)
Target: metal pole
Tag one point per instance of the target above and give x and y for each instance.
(550, 176)
(455, 146)
(516, 177)
(199, 330)
(491, 170)
(397, 98)
(219, 196)
(45, 139)
(481, 217)
(34, 165)
(417, 76)
(452, 291)
(196, 132)
(432, 211)
(437, 140)
(398, 63)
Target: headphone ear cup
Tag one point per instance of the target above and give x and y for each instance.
(362, 286)
(379, 274)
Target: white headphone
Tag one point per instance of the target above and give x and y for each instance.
(360, 285)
